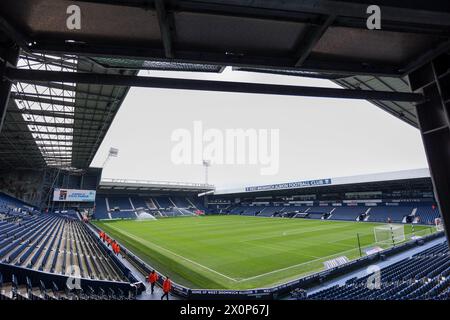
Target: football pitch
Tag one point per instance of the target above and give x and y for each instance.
(242, 252)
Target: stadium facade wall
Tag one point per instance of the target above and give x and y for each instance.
(35, 187)
(24, 185)
(88, 179)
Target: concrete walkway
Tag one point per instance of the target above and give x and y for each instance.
(145, 295)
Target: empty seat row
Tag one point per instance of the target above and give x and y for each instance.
(122, 207)
(422, 276)
(56, 244)
(14, 289)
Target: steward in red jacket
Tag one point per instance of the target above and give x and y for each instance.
(167, 286)
(152, 279)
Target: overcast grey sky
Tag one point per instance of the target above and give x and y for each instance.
(319, 138)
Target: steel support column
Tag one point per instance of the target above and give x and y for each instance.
(433, 81)
(9, 56)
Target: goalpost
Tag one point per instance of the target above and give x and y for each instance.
(439, 225)
(389, 234)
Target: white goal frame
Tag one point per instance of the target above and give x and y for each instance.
(389, 234)
(438, 224)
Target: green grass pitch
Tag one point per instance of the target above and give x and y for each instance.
(240, 252)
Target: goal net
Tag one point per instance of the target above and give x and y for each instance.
(389, 234)
(439, 225)
(142, 215)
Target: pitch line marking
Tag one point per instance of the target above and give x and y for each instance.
(216, 272)
(293, 231)
(173, 253)
(293, 266)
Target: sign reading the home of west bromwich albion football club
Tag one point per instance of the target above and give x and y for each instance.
(290, 185)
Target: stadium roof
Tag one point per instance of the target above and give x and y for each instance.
(57, 124)
(61, 124)
(405, 111)
(384, 177)
(128, 185)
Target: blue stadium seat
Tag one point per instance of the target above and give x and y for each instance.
(423, 276)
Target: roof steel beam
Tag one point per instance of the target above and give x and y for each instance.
(59, 98)
(67, 87)
(428, 13)
(59, 114)
(288, 63)
(312, 39)
(36, 98)
(9, 56)
(13, 132)
(164, 27)
(220, 86)
(55, 125)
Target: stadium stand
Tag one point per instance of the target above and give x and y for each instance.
(319, 212)
(395, 213)
(118, 214)
(120, 207)
(218, 208)
(139, 202)
(163, 202)
(179, 202)
(70, 213)
(198, 204)
(423, 276)
(101, 210)
(7, 203)
(25, 287)
(123, 203)
(348, 213)
(294, 212)
(236, 210)
(427, 214)
(269, 211)
(51, 243)
(166, 206)
(127, 206)
(251, 210)
(38, 251)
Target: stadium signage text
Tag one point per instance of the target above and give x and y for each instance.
(74, 195)
(290, 185)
